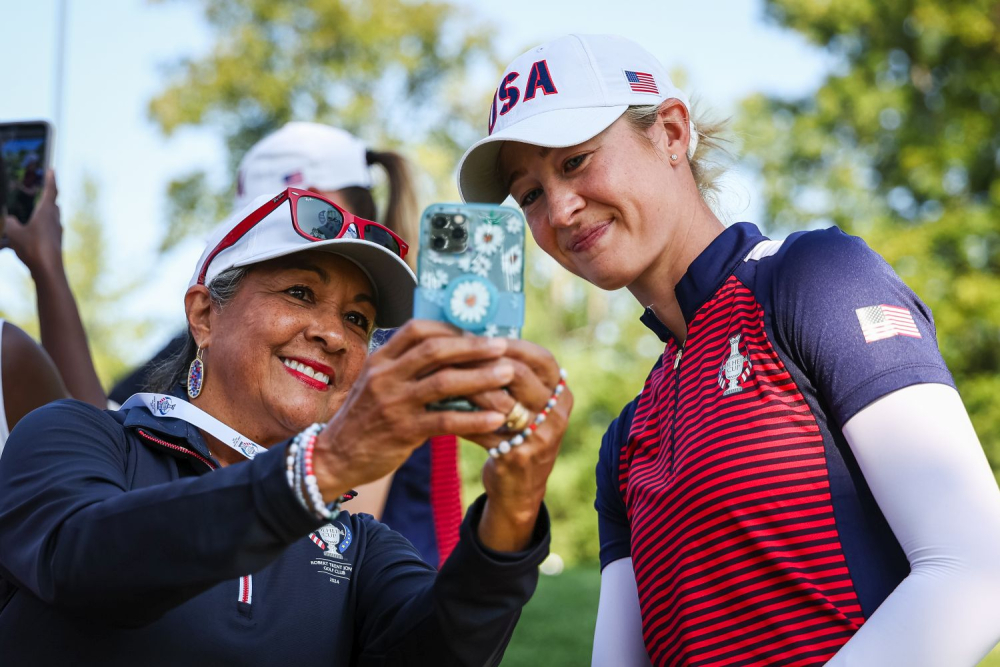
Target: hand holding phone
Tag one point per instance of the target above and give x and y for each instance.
(470, 268)
(38, 243)
(470, 272)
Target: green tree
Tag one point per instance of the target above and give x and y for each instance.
(901, 145)
(394, 72)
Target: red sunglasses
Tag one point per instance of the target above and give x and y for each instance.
(324, 220)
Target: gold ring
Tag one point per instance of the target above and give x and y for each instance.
(518, 418)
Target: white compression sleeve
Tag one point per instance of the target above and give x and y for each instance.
(618, 636)
(925, 467)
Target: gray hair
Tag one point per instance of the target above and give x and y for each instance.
(174, 370)
(705, 168)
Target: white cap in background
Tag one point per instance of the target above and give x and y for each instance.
(302, 155)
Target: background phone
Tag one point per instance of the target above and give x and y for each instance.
(26, 150)
(470, 271)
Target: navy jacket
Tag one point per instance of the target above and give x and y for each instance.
(408, 507)
(120, 544)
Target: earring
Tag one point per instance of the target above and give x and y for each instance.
(196, 375)
(673, 156)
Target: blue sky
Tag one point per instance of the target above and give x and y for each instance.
(117, 52)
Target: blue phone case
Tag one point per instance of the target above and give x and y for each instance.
(470, 268)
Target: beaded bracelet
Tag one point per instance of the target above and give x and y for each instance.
(293, 472)
(506, 445)
(299, 471)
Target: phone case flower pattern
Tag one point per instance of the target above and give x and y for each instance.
(479, 265)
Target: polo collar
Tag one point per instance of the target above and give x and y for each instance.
(707, 273)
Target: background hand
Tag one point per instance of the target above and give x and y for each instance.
(38, 244)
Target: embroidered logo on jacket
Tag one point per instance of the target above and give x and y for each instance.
(736, 367)
(334, 540)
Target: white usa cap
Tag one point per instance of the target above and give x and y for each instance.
(561, 94)
(246, 237)
(302, 155)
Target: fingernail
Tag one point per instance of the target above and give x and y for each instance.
(498, 345)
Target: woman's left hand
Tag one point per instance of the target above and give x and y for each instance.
(515, 482)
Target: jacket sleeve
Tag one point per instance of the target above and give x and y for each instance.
(463, 616)
(73, 535)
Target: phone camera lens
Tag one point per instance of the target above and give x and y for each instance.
(439, 221)
(438, 243)
(458, 233)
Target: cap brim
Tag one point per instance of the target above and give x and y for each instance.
(392, 279)
(478, 177)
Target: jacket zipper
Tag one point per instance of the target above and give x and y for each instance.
(177, 448)
(245, 582)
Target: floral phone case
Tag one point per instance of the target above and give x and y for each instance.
(470, 268)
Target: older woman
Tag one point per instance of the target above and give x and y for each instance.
(203, 527)
(798, 480)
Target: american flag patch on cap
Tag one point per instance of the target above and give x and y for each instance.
(878, 322)
(641, 82)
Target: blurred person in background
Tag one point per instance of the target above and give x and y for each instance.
(202, 525)
(33, 375)
(798, 481)
(422, 499)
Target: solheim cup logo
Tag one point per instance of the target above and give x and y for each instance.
(161, 406)
(735, 369)
(249, 449)
(336, 539)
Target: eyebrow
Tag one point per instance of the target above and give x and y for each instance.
(518, 173)
(365, 297)
(304, 265)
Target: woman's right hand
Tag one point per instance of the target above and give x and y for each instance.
(38, 244)
(384, 417)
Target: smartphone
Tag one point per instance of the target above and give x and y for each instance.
(470, 272)
(26, 151)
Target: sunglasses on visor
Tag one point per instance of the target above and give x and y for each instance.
(314, 218)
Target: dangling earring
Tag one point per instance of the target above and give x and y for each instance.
(196, 375)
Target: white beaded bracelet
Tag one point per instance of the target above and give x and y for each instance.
(300, 472)
(506, 445)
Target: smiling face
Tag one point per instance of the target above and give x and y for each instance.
(286, 350)
(606, 209)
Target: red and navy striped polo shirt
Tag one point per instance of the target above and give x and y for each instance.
(754, 537)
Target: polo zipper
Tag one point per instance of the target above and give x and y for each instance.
(244, 599)
(673, 417)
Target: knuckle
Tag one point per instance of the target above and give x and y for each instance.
(434, 349)
(438, 382)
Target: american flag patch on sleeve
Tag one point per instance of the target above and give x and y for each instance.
(878, 322)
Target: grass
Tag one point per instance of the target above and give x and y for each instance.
(557, 626)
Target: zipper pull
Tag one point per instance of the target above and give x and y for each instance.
(677, 358)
